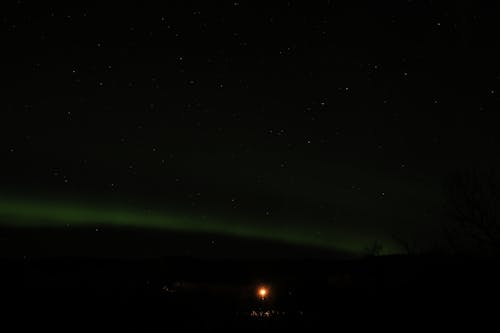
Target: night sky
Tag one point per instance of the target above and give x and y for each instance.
(330, 124)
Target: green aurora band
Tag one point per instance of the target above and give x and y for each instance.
(29, 213)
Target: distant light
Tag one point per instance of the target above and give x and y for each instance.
(263, 292)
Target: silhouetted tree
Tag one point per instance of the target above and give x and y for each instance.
(473, 203)
(409, 246)
(375, 249)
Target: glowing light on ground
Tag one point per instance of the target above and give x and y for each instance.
(263, 292)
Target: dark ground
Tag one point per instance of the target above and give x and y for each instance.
(79, 279)
(213, 295)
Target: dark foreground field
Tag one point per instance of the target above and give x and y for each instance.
(212, 295)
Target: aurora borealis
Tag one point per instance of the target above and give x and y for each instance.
(64, 215)
(329, 125)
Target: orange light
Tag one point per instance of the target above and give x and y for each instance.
(263, 292)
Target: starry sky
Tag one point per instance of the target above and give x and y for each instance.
(321, 123)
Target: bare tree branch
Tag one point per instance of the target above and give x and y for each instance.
(472, 202)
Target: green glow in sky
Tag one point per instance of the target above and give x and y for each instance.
(54, 213)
